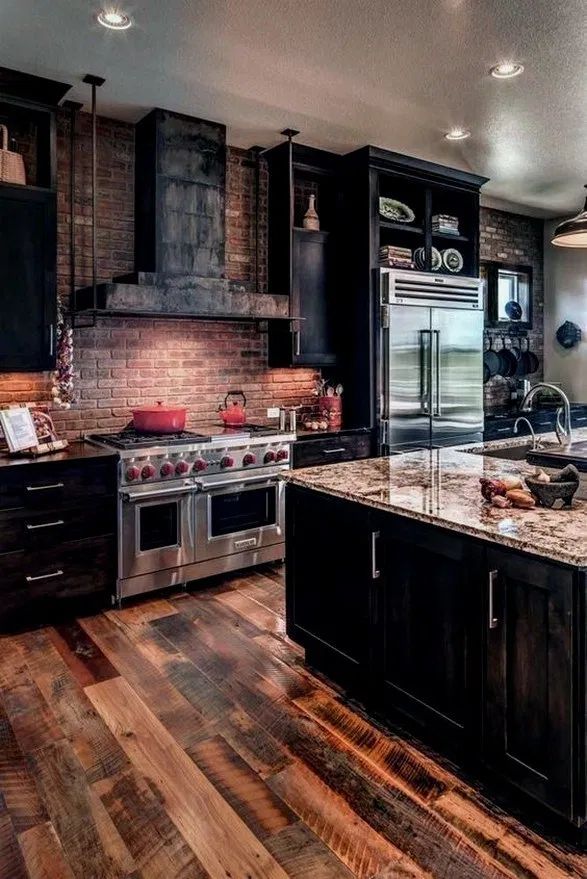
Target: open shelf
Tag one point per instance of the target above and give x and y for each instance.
(448, 236)
(400, 227)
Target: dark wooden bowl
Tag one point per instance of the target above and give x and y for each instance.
(548, 493)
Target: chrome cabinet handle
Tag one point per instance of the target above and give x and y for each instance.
(45, 576)
(425, 370)
(333, 451)
(45, 525)
(493, 620)
(51, 339)
(375, 572)
(297, 339)
(44, 487)
(503, 430)
(436, 335)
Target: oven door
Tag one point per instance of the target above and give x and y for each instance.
(238, 515)
(156, 530)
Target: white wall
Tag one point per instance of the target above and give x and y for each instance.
(565, 298)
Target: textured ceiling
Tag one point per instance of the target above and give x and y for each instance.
(394, 73)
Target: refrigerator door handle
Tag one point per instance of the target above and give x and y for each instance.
(437, 374)
(425, 370)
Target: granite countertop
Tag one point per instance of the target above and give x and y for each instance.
(75, 451)
(441, 487)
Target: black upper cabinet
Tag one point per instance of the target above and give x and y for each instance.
(28, 244)
(302, 262)
(28, 307)
(528, 721)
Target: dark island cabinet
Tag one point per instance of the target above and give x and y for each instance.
(528, 709)
(328, 574)
(428, 626)
(474, 644)
(28, 309)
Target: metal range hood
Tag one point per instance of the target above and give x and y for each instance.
(180, 194)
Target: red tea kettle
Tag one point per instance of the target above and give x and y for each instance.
(234, 415)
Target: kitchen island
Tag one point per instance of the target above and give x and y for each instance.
(432, 607)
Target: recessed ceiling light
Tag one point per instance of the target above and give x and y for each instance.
(506, 70)
(114, 19)
(458, 134)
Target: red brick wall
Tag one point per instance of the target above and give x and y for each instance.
(122, 363)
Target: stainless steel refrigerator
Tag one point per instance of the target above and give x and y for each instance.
(431, 360)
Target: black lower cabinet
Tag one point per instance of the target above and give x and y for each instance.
(427, 631)
(328, 576)
(476, 645)
(528, 706)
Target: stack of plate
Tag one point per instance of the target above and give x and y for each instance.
(396, 257)
(446, 224)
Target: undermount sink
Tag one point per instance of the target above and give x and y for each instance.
(515, 453)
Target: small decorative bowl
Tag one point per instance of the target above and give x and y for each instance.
(548, 493)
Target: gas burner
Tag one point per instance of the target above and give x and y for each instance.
(129, 438)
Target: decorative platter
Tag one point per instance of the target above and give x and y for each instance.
(397, 211)
(452, 259)
(435, 259)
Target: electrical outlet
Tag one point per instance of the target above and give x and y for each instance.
(273, 412)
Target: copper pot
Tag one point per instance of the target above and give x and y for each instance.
(159, 418)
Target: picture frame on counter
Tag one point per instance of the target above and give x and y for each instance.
(509, 295)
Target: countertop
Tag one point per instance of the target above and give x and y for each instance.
(75, 451)
(441, 487)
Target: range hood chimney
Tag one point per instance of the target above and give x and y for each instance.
(180, 194)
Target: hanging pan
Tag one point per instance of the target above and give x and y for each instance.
(491, 359)
(507, 361)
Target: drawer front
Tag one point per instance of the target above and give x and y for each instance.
(33, 584)
(47, 485)
(331, 450)
(36, 529)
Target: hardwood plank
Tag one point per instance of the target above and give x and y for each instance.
(220, 839)
(17, 786)
(91, 842)
(206, 607)
(137, 809)
(266, 620)
(12, 864)
(83, 657)
(399, 818)
(266, 590)
(303, 856)
(168, 705)
(144, 612)
(417, 774)
(93, 743)
(43, 855)
(329, 817)
(256, 803)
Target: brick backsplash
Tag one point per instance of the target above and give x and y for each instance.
(513, 238)
(121, 363)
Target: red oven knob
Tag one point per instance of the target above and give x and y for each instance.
(200, 464)
(249, 459)
(133, 474)
(282, 455)
(167, 469)
(148, 471)
(182, 467)
(227, 461)
(269, 457)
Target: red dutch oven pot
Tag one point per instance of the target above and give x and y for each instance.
(159, 418)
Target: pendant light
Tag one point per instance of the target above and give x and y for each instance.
(573, 232)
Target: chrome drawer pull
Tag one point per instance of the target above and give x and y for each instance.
(375, 572)
(493, 620)
(333, 451)
(44, 487)
(45, 525)
(503, 430)
(45, 577)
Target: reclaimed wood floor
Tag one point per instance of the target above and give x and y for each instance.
(183, 738)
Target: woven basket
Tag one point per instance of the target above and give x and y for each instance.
(11, 164)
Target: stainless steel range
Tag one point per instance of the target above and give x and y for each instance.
(196, 504)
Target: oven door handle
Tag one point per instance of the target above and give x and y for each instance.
(153, 495)
(230, 483)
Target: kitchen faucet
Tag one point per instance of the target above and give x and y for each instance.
(530, 428)
(563, 431)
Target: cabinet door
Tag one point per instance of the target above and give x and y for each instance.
(427, 613)
(528, 733)
(312, 341)
(328, 582)
(27, 279)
